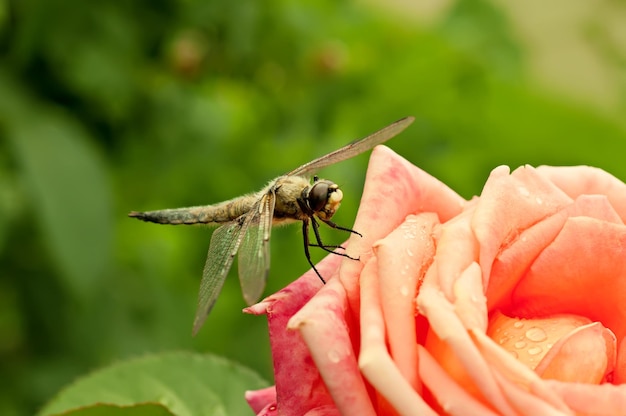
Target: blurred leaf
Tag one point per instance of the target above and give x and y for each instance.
(147, 409)
(66, 181)
(187, 384)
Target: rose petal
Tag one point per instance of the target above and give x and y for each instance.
(458, 248)
(323, 326)
(470, 302)
(394, 188)
(529, 340)
(510, 204)
(448, 328)
(260, 399)
(582, 356)
(299, 387)
(513, 371)
(580, 180)
(524, 402)
(589, 399)
(513, 261)
(573, 273)
(374, 359)
(452, 398)
(403, 257)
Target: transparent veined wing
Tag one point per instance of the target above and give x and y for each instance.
(354, 148)
(224, 245)
(254, 253)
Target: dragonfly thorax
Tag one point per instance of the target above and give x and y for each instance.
(323, 198)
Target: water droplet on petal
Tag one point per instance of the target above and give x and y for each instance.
(534, 350)
(518, 324)
(519, 345)
(536, 334)
(333, 356)
(524, 191)
(404, 291)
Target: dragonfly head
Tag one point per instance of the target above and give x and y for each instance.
(323, 198)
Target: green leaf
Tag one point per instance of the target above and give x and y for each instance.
(146, 409)
(66, 181)
(185, 383)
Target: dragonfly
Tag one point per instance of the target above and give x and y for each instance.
(246, 222)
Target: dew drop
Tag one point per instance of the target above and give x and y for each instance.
(519, 345)
(539, 201)
(523, 191)
(518, 324)
(404, 291)
(333, 356)
(536, 334)
(534, 350)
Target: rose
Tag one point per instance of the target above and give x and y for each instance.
(510, 303)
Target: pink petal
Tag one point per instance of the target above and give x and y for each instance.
(299, 386)
(325, 330)
(259, 399)
(581, 180)
(403, 257)
(374, 359)
(394, 188)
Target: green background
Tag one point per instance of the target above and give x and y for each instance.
(109, 106)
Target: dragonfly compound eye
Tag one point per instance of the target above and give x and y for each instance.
(324, 198)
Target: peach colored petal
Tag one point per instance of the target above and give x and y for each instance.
(513, 371)
(581, 272)
(374, 360)
(589, 399)
(394, 188)
(582, 356)
(580, 180)
(513, 261)
(457, 248)
(299, 387)
(619, 375)
(452, 398)
(259, 399)
(441, 315)
(510, 204)
(403, 257)
(323, 326)
(529, 340)
(524, 402)
(470, 303)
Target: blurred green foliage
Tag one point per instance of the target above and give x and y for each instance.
(107, 107)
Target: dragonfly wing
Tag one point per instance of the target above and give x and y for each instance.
(354, 148)
(254, 256)
(224, 245)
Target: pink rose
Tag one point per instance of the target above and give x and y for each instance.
(511, 303)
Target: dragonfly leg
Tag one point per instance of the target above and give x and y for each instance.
(322, 245)
(339, 227)
(305, 234)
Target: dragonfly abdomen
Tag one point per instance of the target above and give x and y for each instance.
(207, 214)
